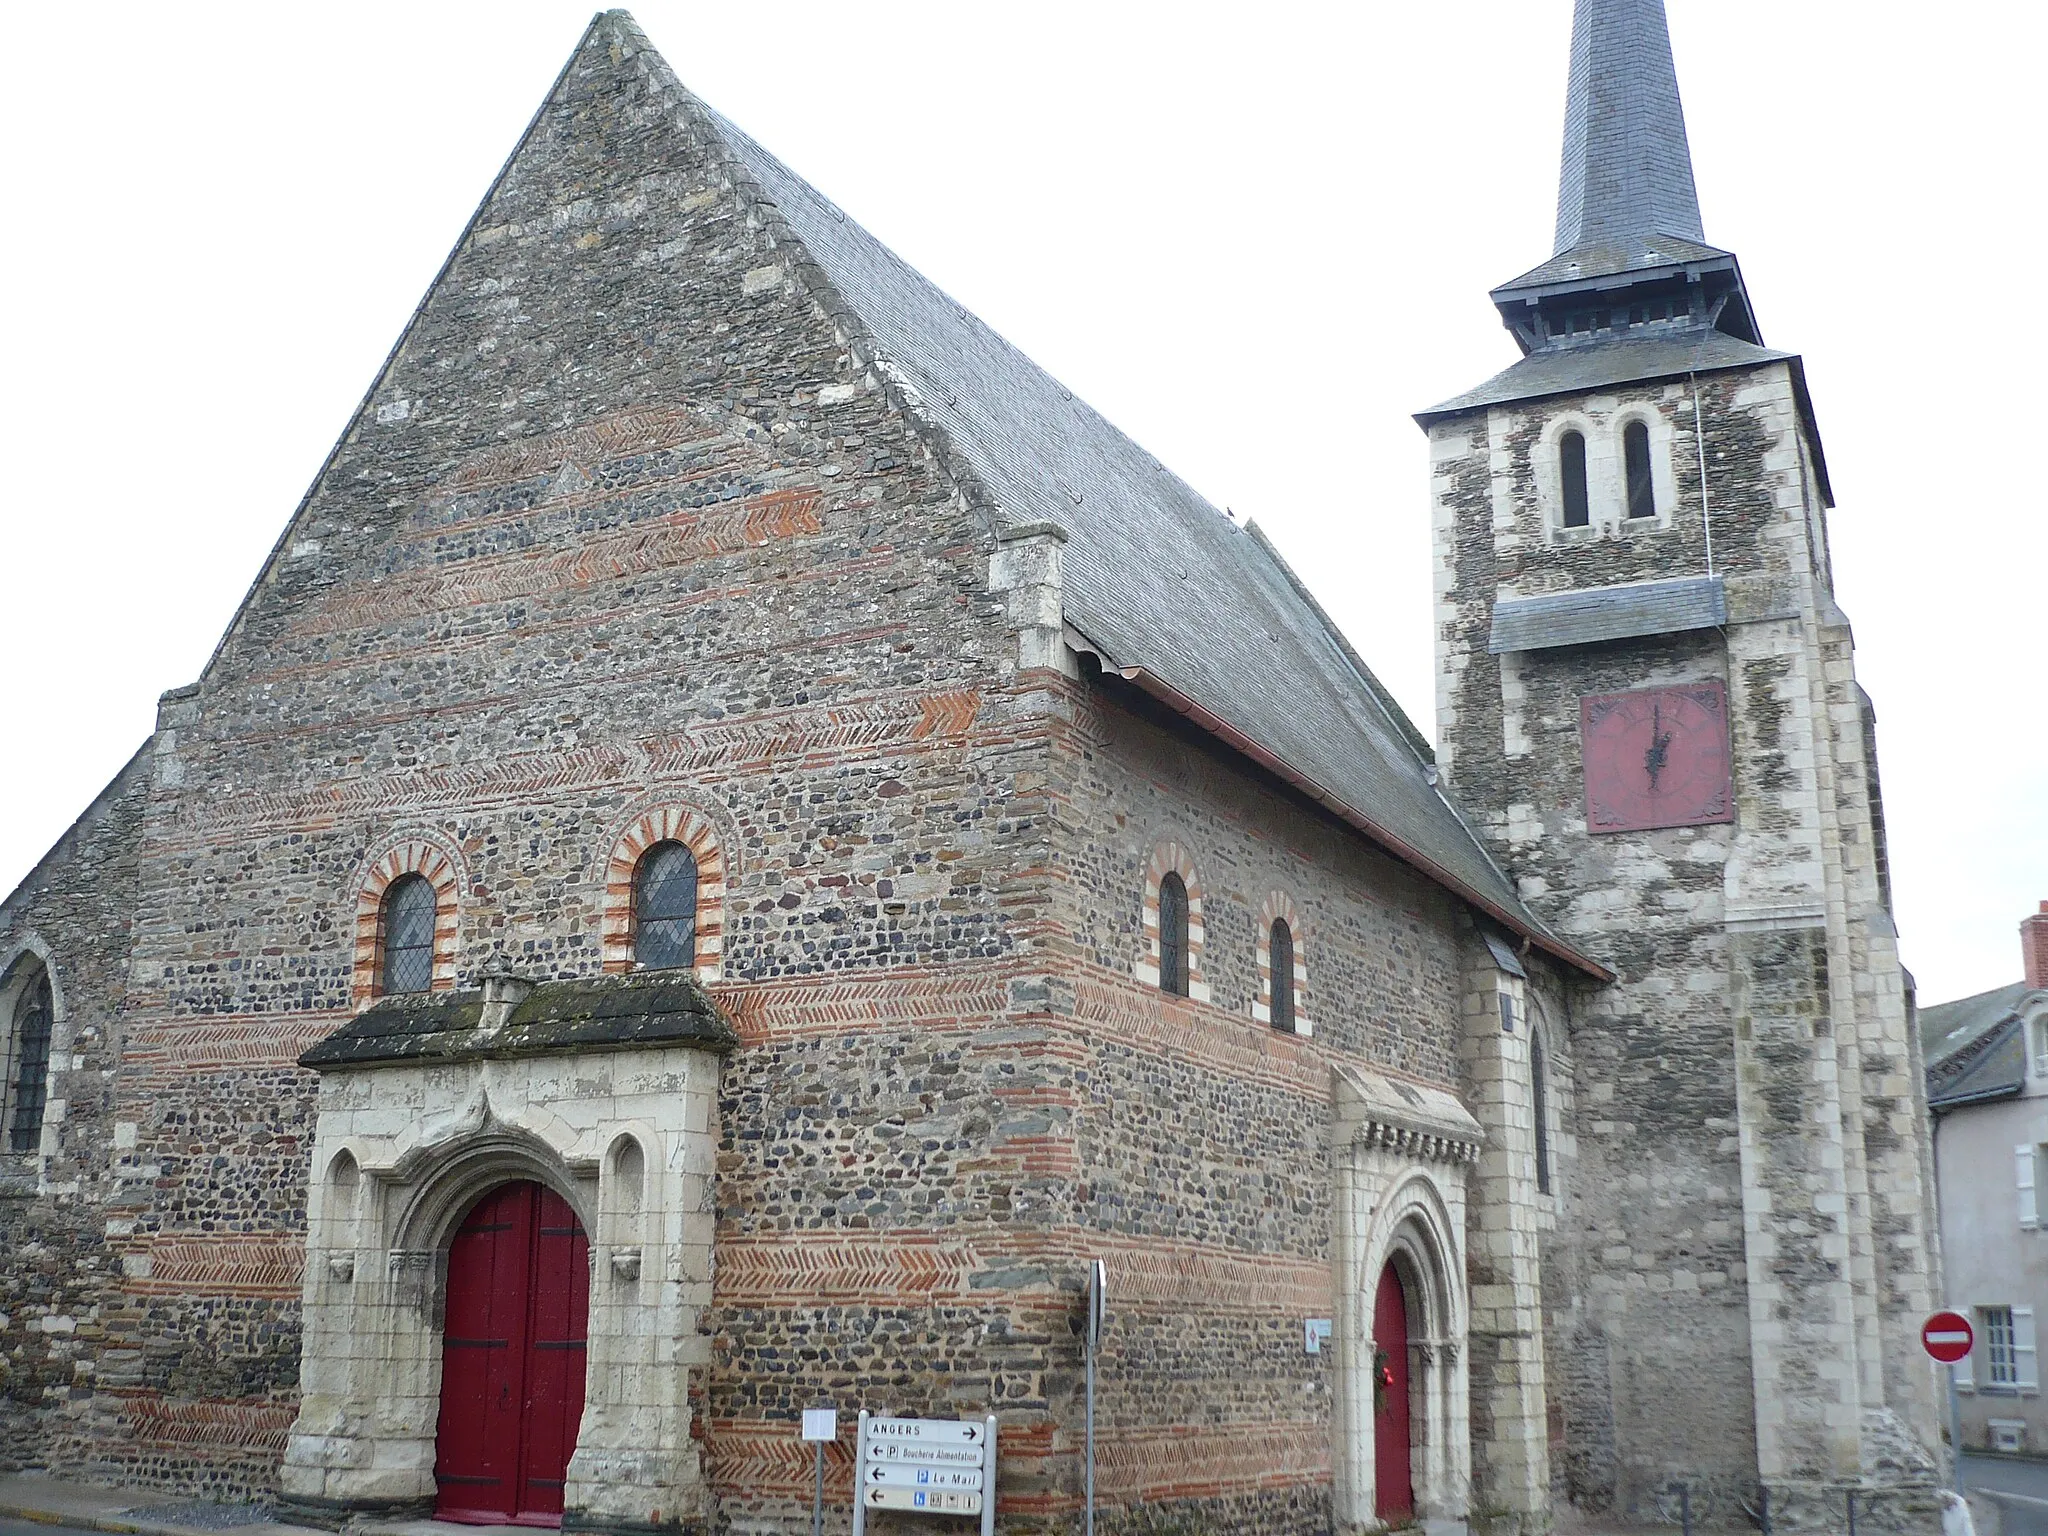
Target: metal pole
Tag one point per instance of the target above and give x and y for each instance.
(1763, 1504)
(1955, 1428)
(1685, 1510)
(860, 1451)
(1699, 437)
(818, 1498)
(1850, 1495)
(1091, 1441)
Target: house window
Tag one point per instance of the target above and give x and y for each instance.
(409, 912)
(1280, 966)
(1571, 469)
(32, 1069)
(1539, 1096)
(1173, 934)
(1635, 454)
(665, 908)
(2001, 1360)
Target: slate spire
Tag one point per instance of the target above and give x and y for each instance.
(1627, 170)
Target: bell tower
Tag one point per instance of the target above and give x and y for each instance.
(1647, 700)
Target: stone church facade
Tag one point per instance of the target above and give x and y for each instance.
(739, 801)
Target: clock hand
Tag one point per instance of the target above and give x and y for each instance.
(1659, 750)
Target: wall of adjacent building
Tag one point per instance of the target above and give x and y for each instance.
(1994, 1245)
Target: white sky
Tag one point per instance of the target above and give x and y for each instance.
(1255, 236)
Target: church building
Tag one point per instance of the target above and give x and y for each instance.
(743, 837)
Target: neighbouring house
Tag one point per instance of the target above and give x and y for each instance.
(1987, 1086)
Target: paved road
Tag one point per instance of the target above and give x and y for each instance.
(2004, 1474)
(23, 1528)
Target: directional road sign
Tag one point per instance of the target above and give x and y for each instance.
(926, 1466)
(934, 1501)
(894, 1475)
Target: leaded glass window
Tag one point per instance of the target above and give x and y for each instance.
(1173, 935)
(409, 911)
(32, 1070)
(1539, 1095)
(1280, 962)
(1635, 454)
(665, 908)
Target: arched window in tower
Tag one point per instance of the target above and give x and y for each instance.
(1635, 455)
(1571, 472)
(408, 936)
(1539, 1103)
(665, 908)
(1280, 961)
(1173, 934)
(32, 1065)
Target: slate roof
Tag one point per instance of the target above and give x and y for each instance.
(1975, 1047)
(1593, 614)
(1627, 169)
(1631, 358)
(1167, 588)
(641, 1008)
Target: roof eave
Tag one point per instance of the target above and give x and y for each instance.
(1225, 732)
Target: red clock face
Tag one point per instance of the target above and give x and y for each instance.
(1658, 758)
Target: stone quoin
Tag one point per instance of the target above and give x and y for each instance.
(739, 801)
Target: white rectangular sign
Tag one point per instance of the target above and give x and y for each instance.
(882, 1475)
(925, 1455)
(821, 1424)
(927, 1431)
(935, 1501)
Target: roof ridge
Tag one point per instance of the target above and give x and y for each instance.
(1425, 749)
(714, 132)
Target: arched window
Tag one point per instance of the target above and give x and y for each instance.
(408, 936)
(32, 1065)
(665, 908)
(1635, 454)
(1571, 470)
(1280, 963)
(1539, 1093)
(1173, 934)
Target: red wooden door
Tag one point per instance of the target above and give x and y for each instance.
(512, 1359)
(1393, 1478)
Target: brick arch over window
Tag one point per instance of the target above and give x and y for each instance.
(668, 823)
(1279, 908)
(439, 865)
(1171, 857)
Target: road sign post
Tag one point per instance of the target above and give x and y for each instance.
(925, 1466)
(1091, 1345)
(1949, 1338)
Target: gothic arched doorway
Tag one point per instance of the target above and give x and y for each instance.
(512, 1355)
(1392, 1436)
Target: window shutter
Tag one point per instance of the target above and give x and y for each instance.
(2030, 1209)
(2026, 1369)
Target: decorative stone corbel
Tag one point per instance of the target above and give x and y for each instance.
(626, 1263)
(1027, 568)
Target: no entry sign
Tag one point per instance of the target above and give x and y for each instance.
(1947, 1336)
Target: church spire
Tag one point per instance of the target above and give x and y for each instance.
(1627, 170)
(1630, 251)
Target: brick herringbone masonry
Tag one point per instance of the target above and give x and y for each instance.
(1019, 791)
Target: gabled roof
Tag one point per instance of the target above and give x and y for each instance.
(1168, 590)
(1976, 1046)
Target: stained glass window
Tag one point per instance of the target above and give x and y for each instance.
(32, 1072)
(1280, 961)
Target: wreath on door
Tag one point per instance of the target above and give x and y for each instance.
(1382, 1379)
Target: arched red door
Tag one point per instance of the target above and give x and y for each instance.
(512, 1359)
(1393, 1477)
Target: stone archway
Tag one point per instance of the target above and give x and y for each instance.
(1401, 1159)
(625, 1138)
